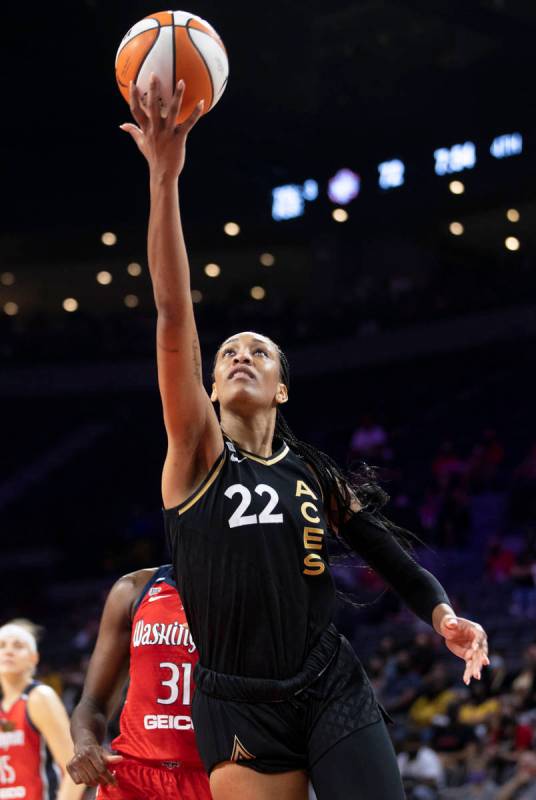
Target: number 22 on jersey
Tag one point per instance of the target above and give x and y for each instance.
(239, 517)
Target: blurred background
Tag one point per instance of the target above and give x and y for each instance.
(363, 194)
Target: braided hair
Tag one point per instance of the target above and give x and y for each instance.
(337, 485)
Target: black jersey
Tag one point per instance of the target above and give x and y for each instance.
(251, 563)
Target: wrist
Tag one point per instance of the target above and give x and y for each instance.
(86, 739)
(438, 615)
(161, 178)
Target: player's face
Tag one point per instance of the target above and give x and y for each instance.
(16, 656)
(247, 374)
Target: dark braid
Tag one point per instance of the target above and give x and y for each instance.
(334, 482)
(338, 485)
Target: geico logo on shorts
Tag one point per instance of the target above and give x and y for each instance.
(13, 793)
(166, 722)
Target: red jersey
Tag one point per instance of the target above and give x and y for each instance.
(26, 767)
(156, 723)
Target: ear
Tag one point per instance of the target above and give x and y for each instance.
(214, 394)
(281, 394)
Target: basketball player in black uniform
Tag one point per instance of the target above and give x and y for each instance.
(248, 508)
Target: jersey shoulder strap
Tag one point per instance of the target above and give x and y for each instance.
(163, 573)
(24, 696)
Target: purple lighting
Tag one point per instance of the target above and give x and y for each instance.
(344, 186)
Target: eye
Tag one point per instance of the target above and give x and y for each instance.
(227, 352)
(260, 350)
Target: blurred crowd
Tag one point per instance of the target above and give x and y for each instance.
(454, 741)
(464, 492)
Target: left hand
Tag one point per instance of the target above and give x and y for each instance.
(466, 640)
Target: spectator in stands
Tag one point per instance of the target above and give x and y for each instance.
(505, 741)
(424, 652)
(387, 650)
(478, 786)
(499, 561)
(435, 698)
(524, 685)
(454, 520)
(523, 503)
(479, 707)
(497, 673)
(524, 594)
(369, 441)
(485, 460)
(522, 786)
(375, 672)
(430, 509)
(447, 464)
(420, 767)
(455, 742)
(401, 688)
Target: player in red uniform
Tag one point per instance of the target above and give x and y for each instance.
(34, 728)
(144, 637)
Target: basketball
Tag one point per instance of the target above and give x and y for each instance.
(174, 45)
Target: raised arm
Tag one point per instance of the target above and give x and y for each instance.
(106, 675)
(194, 435)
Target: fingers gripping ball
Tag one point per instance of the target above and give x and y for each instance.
(174, 45)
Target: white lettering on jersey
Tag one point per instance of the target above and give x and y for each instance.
(165, 722)
(175, 635)
(11, 739)
(7, 773)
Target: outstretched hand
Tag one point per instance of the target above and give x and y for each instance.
(157, 134)
(466, 640)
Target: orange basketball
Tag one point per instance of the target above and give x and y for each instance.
(174, 45)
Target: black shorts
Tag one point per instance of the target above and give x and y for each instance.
(290, 734)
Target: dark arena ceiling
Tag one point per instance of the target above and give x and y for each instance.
(313, 87)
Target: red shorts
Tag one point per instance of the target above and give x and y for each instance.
(137, 781)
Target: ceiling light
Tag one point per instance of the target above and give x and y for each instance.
(70, 304)
(7, 279)
(512, 243)
(108, 238)
(257, 292)
(231, 228)
(456, 187)
(339, 214)
(212, 270)
(104, 277)
(11, 308)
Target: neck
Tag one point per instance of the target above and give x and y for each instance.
(12, 686)
(254, 433)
